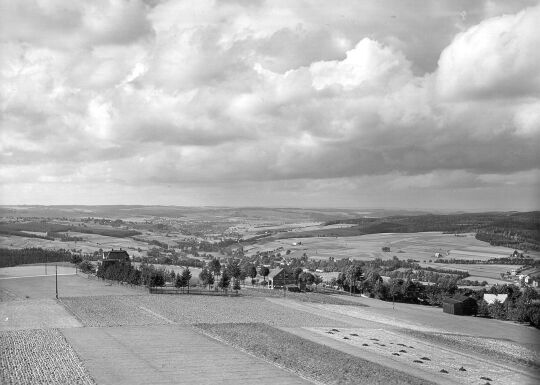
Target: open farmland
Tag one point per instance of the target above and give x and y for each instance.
(186, 310)
(89, 244)
(33, 287)
(35, 314)
(169, 354)
(127, 336)
(480, 272)
(39, 357)
(417, 357)
(307, 357)
(419, 246)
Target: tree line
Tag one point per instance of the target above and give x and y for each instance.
(14, 257)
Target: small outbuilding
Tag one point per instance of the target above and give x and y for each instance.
(460, 305)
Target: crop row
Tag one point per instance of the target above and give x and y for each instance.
(187, 310)
(39, 357)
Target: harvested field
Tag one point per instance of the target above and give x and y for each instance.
(169, 354)
(503, 350)
(419, 246)
(35, 314)
(476, 270)
(306, 357)
(418, 355)
(39, 357)
(186, 310)
(420, 318)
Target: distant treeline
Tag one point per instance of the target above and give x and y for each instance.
(514, 230)
(492, 261)
(14, 257)
(17, 228)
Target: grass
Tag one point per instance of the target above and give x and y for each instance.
(312, 297)
(304, 357)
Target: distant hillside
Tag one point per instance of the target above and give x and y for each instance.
(18, 229)
(514, 230)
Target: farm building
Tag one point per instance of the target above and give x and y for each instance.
(460, 305)
(115, 256)
(491, 298)
(279, 277)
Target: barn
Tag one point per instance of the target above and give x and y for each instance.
(460, 305)
(279, 277)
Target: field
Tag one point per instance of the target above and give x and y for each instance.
(112, 334)
(481, 272)
(307, 357)
(168, 354)
(39, 357)
(90, 244)
(418, 246)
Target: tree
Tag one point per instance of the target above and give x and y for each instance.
(206, 277)
(264, 271)
(251, 271)
(234, 270)
(306, 277)
(296, 274)
(76, 259)
(224, 281)
(497, 310)
(186, 276)
(353, 274)
(317, 281)
(215, 266)
(87, 267)
(236, 285)
(157, 278)
(180, 281)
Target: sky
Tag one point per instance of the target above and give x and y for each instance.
(380, 103)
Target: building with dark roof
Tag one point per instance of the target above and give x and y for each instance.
(460, 305)
(280, 277)
(115, 256)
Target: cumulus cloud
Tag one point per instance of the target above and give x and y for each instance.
(133, 93)
(497, 58)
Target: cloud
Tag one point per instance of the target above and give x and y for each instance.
(201, 94)
(497, 58)
(74, 24)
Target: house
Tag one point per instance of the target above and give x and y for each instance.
(460, 305)
(530, 276)
(114, 256)
(491, 298)
(279, 277)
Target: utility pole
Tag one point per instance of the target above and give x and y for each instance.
(284, 288)
(56, 281)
